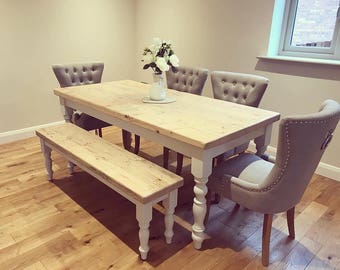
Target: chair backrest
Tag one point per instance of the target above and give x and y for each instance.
(239, 88)
(187, 79)
(301, 144)
(78, 74)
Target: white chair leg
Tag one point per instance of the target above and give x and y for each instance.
(169, 205)
(144, 216)
(48, 161)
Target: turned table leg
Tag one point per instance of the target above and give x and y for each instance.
(263, 141)
(201, 169)
(68, 113)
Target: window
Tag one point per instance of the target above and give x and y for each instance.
(309, 28)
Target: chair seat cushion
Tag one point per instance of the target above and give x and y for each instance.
(88, 122)
(249, 168)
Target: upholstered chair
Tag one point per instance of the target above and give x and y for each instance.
(245, 89)
(271, 188)
(184, 79)
(127, 140)
(187, 79)
(80, 74)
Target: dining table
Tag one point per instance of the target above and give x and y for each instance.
(199, 127)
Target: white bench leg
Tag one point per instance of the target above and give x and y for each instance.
(144, 216)
(48, 161)
(169, 205)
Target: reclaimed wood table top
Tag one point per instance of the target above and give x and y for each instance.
(201, 121)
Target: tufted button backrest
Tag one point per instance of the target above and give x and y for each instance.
(301, 144)
(78, 74)
(187, 79)
(239, 88)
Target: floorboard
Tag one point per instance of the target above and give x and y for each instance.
(77, 222)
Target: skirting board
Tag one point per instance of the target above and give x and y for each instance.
(323, 169)
(15, 135)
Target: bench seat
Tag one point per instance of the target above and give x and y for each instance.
(137, 179)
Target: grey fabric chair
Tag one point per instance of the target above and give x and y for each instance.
(271, 188)
(187, 79)
(80, 74)
(88, 73)
(184, 79)
(127, 140)
(245, 89)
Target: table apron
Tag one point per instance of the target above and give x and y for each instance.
(171, 143)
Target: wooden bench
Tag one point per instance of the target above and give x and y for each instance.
(137, 179)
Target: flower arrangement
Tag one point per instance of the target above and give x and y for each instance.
(159, 56)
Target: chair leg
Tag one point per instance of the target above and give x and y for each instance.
(137, 144)
(126, 135)
(100, 132)
(290, 222)
(179, 163)
(166, 157)
(219, 159)
(208, 199)
(267, 228)
(216, 199)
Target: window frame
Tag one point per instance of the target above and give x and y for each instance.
(286, 49)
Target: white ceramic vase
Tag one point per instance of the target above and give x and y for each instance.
(158, 89)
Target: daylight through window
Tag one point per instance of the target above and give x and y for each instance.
(310, 29)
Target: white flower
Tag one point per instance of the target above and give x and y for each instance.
(155, 46)
(157, 56)
(161, 64)
(147, 58)
(174, 60)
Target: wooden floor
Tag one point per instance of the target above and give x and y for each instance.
(78, 223)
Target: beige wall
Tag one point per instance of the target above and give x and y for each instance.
(229, 35)
(35, 34)
(216, 34)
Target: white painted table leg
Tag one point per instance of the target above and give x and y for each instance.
(169, 205)
(68, 113)
(144, 216)
(201, 171)
(48, 161)
(263, 141)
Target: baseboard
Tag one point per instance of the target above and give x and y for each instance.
(15, 135)
(329, 171)
(323, 169)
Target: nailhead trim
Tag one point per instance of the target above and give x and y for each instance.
(278, 180)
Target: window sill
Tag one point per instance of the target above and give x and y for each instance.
(300, 60)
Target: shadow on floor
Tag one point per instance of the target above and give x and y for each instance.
(117, 214)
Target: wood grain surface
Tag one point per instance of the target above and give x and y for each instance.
(72, 223)
(196, 120)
